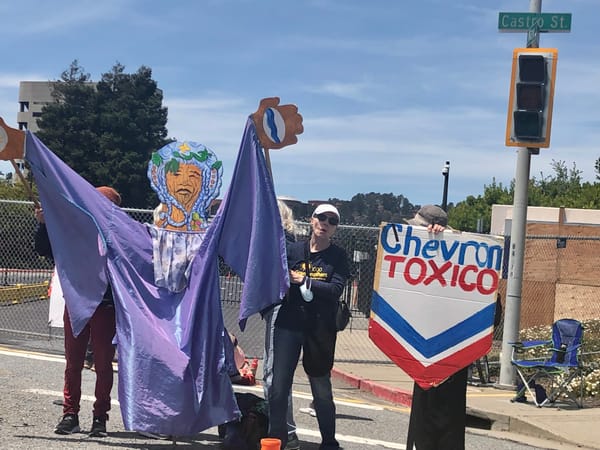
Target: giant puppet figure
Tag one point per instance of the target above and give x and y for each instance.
(172, 372)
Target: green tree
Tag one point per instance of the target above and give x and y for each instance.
(107, 131)
(475, 213)
(15, 191)
(373, 208)
(563, 187)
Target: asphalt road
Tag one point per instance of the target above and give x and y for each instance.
(31, 381)
(30, 316)
(31, 378)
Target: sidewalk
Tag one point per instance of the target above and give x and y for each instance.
(486, 405)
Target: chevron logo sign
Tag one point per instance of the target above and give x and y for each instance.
(432, 311)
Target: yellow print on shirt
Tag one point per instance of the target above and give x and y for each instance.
(316, 272)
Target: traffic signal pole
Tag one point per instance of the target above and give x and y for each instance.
(512, 314)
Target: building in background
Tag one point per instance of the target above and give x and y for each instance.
(33, 96)
(562, 254)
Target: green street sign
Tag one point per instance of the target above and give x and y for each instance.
(545, 22)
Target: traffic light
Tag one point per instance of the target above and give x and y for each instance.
(531, 96)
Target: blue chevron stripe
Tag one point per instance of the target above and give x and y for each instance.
(272, 125)
(437, 344)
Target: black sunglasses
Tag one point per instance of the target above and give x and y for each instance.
(333, 220)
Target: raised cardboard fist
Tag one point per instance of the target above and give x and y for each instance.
(12, 142)
(277, 125)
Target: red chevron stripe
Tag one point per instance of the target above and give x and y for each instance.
(432, 375)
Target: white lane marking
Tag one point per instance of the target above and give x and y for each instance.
(259, 389)
(304, 396)
(353, 439)
(42, 357)
(59, 394)
(300, 431)
(38, 356)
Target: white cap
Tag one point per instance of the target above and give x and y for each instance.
(326, 207)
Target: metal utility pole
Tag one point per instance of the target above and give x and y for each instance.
(445, 174)
(512, 315)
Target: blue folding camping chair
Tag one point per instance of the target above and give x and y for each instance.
(558, 360)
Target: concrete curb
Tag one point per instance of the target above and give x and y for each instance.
(382, 391)
(496, 421)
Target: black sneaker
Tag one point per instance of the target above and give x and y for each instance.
(68, 424)
(99, 427)
(150, 435)
(88, 362)
(293, 442)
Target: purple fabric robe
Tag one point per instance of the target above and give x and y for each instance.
(172, 373)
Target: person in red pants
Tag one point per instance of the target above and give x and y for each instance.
(99, 331)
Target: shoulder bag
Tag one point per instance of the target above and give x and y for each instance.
(342, 315)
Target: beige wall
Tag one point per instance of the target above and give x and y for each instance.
(36, 94)
(557, 282)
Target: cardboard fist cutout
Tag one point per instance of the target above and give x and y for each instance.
(277, 125)
(12, 142)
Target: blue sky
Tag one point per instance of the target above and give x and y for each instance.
(389, 90)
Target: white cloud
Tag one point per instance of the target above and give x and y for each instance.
(41, 17)
(388, 90)
(352, 91)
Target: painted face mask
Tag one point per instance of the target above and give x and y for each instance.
(186, 177)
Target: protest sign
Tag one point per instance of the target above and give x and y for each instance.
(434, 298)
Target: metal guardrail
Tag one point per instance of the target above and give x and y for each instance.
(21, 293)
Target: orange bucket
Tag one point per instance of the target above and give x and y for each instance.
(270, 444)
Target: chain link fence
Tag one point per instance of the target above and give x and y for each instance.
(25, 279)
(559, 280)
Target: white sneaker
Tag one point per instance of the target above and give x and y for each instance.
(310, 411)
